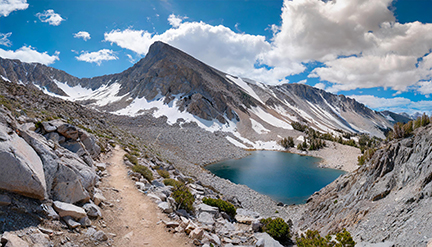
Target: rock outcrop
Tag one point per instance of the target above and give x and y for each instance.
(68, 177)
(20, 166)
(387, 199)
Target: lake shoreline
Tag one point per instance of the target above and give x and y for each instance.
(334, 156)
(286, 177)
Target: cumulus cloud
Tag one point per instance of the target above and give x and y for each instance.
(4, 39)
(320, 86)
(30, 55)
(8, 6)
(97, 57)
(51, 17)
(217, 46)
(397, 104)
(82, 34)
(359, 42)
(388, 71)
(425, 88)
(175, 20)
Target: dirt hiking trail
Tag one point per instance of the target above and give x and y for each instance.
(133, 218)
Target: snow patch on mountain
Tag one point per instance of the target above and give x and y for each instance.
(245, 87)
(4, 78)
(258, 128)
(270, 119)
(236, 143)
(172, 113)
(73, 92)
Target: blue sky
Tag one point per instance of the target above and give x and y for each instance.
(376, 51)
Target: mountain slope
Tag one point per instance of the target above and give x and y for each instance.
(387, 199)
(170, 83)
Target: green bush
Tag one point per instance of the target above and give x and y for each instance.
(133, 159)
(172, 182)
(163, 173)
(183, 198)
(313, 239)
(298, 126)
(143, 170)
(277, 228)
(367, 155)
(344, 238)
(222, 205)
(287, 142)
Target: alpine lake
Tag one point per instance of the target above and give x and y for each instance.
(285, 177)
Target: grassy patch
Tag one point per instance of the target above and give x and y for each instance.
(143, 170)
(222, 205)
(183, 198)
(277, 228)
(163, 173)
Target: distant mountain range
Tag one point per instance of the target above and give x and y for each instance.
(170, 83)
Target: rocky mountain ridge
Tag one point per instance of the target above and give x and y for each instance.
(56, 166)
(387, 199)
(169, 82)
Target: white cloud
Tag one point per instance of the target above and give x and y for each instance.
(359, 41)
(425, 88)
(397, 104)
(8, 6)
(82, 34)
(302, 81)
(4, 39)
(175, 21)
(389, 71)
(320, 85)
(97, 56)
(217, 46)
(131, 59)
(51, 17)
(29, 55)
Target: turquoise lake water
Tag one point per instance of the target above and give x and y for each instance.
(285, 177)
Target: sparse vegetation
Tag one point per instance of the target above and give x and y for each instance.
(172, 182)
(143, 170)
(163, 173)
(316, 144)
(313, 239)
(298, 126)
(183, 198)
(132, 158)
(277, 228)
(401, 130)
(367, 155)
(224, 206)
(287, 142)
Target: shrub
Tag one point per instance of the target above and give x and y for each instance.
(316, 144)
(313, 238)
(287, 142)
(367, 155)
(299, 146)
(345, 239)
(163, 173)
(132, 159)
(38, 125)
(183, 198)
(298, 126)
(172, 182)
(222, 205)
(143, 170)
(277, 228)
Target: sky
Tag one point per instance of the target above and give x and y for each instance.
(376, 51)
